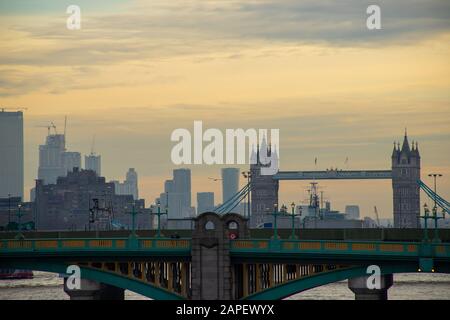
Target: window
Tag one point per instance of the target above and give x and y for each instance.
(210, 225)
(232, 225)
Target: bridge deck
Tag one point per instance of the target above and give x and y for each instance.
(333, 174)
(337, 252)
(247, 248)
(96, 247)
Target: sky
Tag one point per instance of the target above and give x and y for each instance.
(137, 70)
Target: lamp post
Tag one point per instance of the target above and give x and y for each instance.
(9, 208)
(275, 226)
(435, 217)
(248, 175)
(159, 214)
(293, 215)
(133, 221)
(19, 224)
(425, 217)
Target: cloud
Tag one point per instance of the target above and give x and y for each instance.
(161, 29)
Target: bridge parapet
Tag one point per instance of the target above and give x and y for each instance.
(352, 249)
(150, 245)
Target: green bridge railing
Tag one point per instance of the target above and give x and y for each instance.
(181, 246)
(323, 247)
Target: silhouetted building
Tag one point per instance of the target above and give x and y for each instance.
(66, 205)
(129, 186)
(54, 160)
(352, 211)
(205, 202)
(94, 163)
(230, 183)
(11, 154)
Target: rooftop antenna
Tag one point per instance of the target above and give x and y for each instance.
(93, 146)
(65, 129)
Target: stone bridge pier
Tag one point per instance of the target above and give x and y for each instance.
(92, 290)
(359, 287)
(211, 265)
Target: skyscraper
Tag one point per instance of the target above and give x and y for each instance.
(11, 154)
(205, 202)
(70, 161)
(182, 184)
(230, 183)
(352, 211)
(129, 186)
(50, 158)
(94, 163)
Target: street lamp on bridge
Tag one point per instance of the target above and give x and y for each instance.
(293, 215)
(159, 214)
(19, 215)
(435, 216)
(248, 175)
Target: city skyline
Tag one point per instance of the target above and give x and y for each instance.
(132, 84)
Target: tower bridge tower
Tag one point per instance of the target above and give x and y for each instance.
(264, 189)
(406, 191)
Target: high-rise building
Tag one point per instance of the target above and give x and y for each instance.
(182, 184)
(352, 212)
(50, 158)
(177, 195)
(93, 162)
(230, 183)
(70, 161)
(129, 186)
(54, 160)
(11, 154)
(205, 202)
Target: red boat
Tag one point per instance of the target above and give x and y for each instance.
(9, 274)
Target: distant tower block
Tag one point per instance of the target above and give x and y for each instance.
(405, 174)
(93, 162)
(230, 183)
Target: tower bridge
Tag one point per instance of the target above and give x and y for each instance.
(404, 174)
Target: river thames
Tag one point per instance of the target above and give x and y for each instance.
(49, 286)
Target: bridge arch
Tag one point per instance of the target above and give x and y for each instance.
(146, 289)
(296, 286)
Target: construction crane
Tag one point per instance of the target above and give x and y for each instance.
(54, 127)
(93, 146)
(49, 127)
(376, 215)
(3, 109)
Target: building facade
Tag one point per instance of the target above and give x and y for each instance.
(93, 162)
(230, 183)
(406, 190)
(70, 204)
(11, 154)
(129, 186)
(264, 189)
(205, 202)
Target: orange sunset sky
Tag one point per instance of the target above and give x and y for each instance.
(137, 70)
